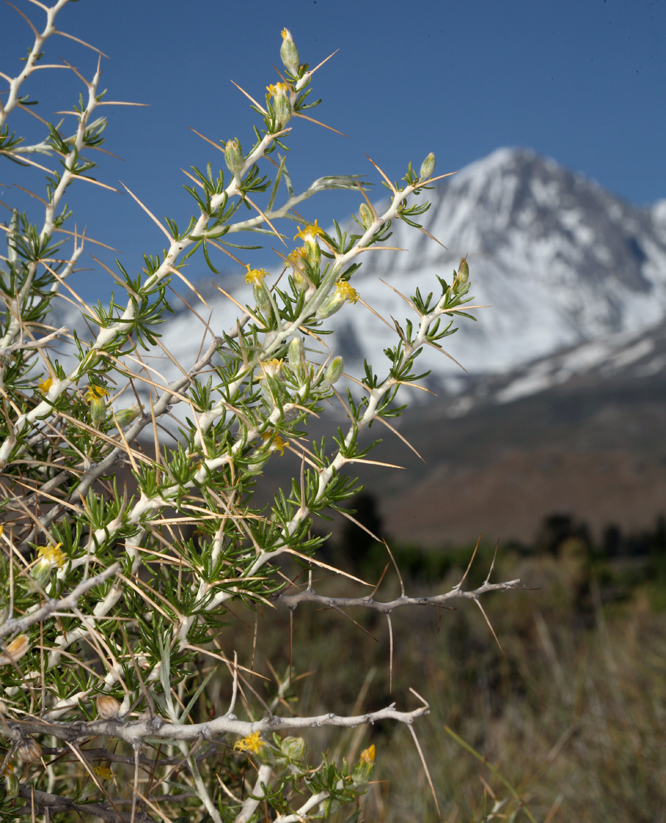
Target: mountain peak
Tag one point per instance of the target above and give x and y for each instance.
(557, 260)
(560, 259)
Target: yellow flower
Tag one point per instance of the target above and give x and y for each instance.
(272, 368)
(251, 743)
(277, 90)
(308, 233)
(53, 555)
(255, 276)
(296, 256)
(284, 33)
(94, 392)
(346, 291)
(278, 443)
(45, 384)
(104, 772)
(368, 755)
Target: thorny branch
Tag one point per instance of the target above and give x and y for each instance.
(157, 729)
(291, 601)
(20, 624)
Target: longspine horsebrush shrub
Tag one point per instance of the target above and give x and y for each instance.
(110, 611)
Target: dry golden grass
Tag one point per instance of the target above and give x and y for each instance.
(572, 714)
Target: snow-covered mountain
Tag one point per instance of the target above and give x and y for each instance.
(561, 408)
(559, 260)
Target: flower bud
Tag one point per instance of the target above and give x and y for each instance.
(15, 650)
(283, 109)
(13, 785)
(334, 370)
(293, 747)
(29, 751)
(313, 254)
(362, 771)
(300, 282)
(97, 411)
(367, 217)
(261, 298)
(463, 274)
(296, 355)
(296, 261)
(427, 167)
(289, 52)
(41, 572)
(233, 155)
(107, 707)
(126, 416)
(332, 304)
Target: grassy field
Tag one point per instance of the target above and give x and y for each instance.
(570, 715)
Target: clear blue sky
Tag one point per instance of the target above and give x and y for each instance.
(582, 81)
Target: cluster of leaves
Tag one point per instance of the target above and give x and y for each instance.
(112, 600)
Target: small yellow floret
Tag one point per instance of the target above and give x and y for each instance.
(308, 233)
(255, 276)
(251, 743)
(104, 772)
(45, 385)
(93, 392)
(53, 554)
(278, 443)
(285, 33)
(277, 89)
(272, 367)
(294, 258)
(368, 755)
(347, 292)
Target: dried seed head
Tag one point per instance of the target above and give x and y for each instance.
(107, 706)
(16, 649)
(29, 751)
